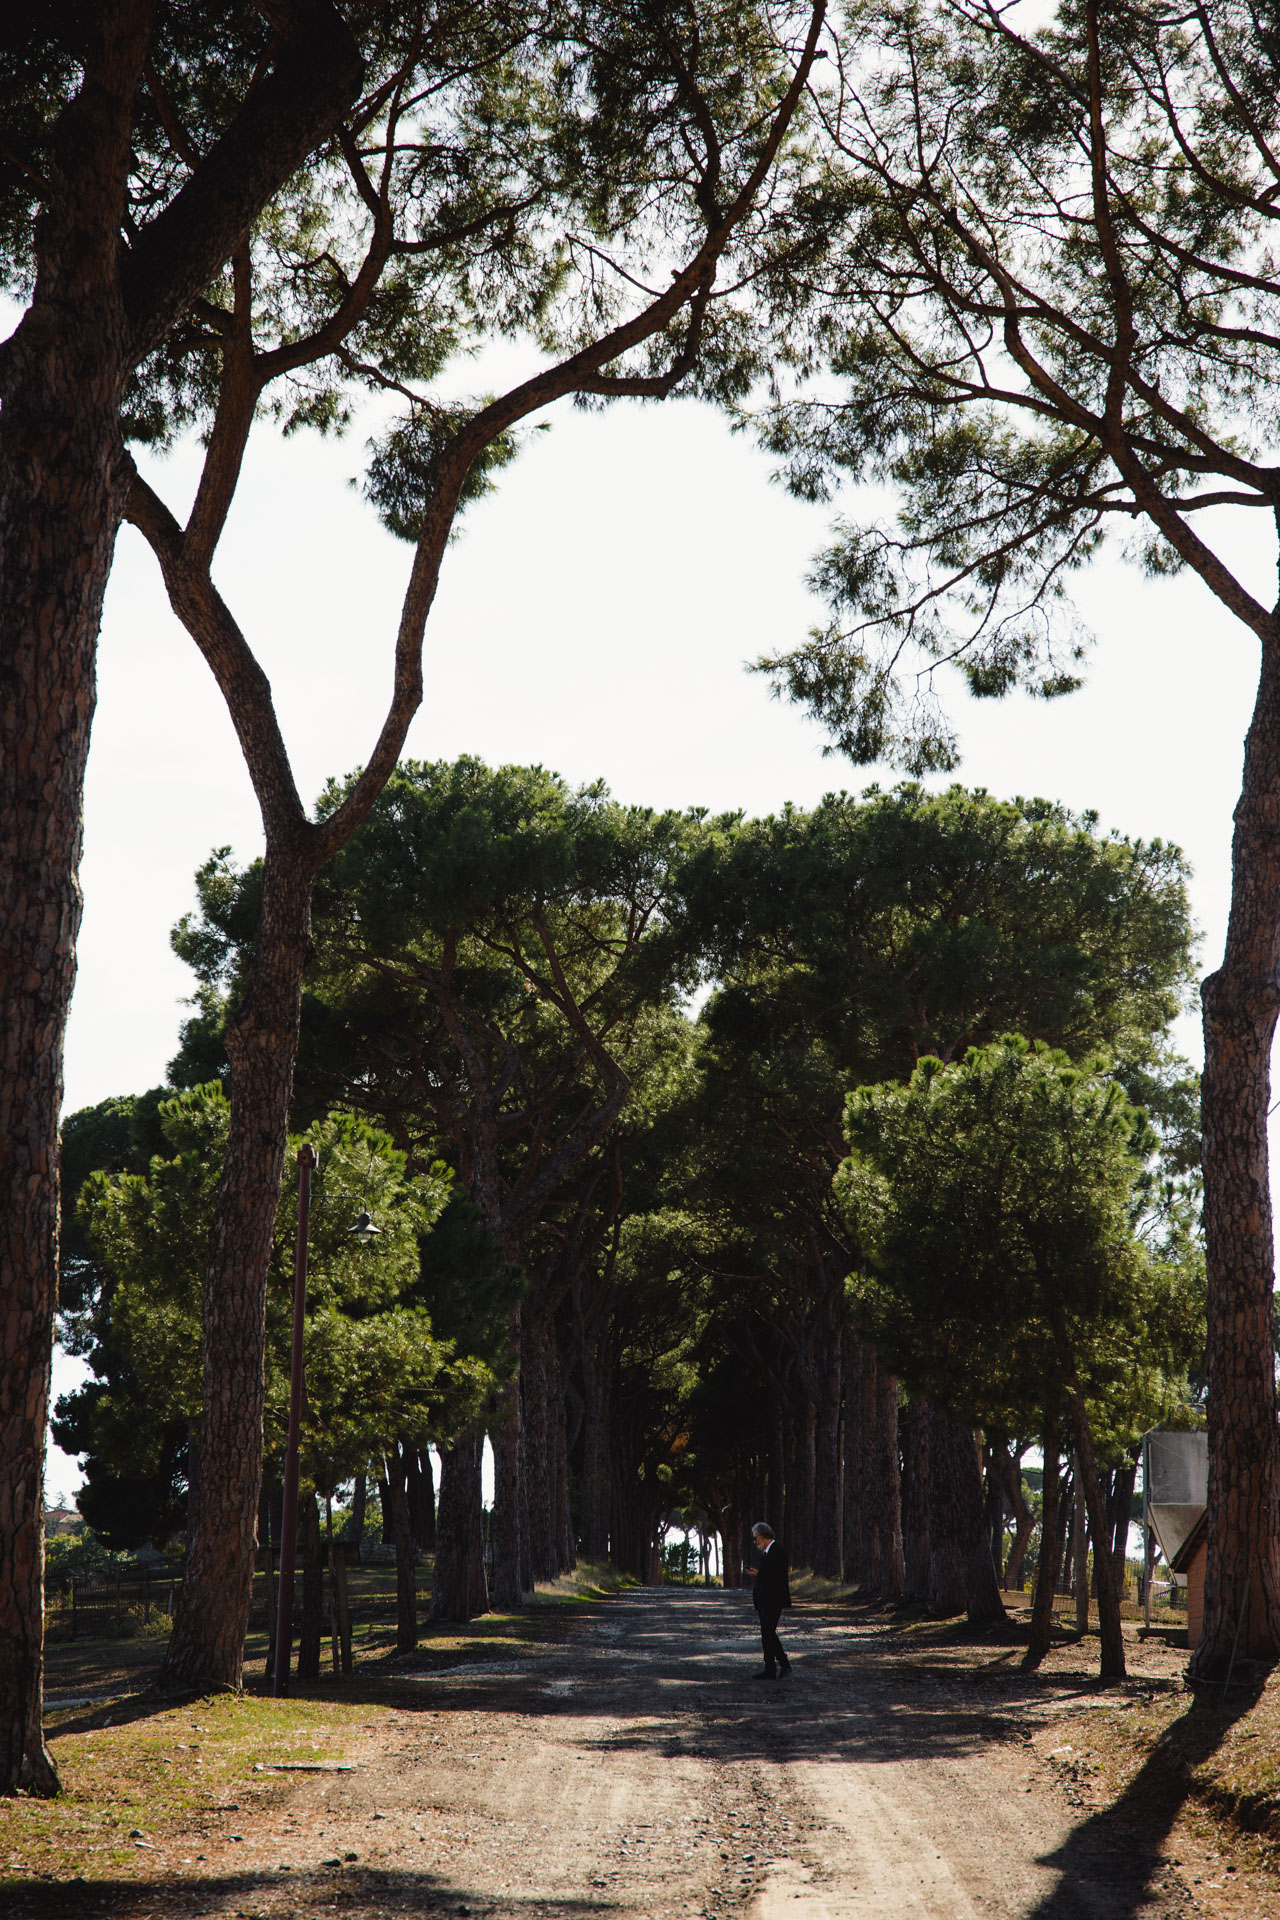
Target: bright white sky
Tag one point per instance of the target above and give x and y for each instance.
(594, 616)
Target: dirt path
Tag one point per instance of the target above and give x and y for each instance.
(633, 1767)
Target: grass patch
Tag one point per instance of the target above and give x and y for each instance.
(135, 1781)
(1220, 1756)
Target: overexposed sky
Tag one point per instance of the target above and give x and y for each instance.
(595, 615)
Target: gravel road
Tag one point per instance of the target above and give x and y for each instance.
(636, 1768)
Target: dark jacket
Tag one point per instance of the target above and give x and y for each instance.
(771, 1591)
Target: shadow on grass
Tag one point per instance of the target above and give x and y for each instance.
(1133, 1828)
(361, 1893)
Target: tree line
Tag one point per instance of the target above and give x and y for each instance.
(668, 1260)
(808, 223)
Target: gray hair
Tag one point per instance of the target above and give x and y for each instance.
(762, 1526)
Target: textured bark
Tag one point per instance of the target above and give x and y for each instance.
(537, 1359)
(97, 308)
(1240, 1000)
(870, 1506)
(61, 499)
(981, 1588)
(915, 1499)
(208, 1636)
(507, 1587)
(946, 1561)
(1050, 1547)
(459, 1590)
(420, 1487)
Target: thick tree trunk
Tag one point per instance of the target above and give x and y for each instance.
(507, 1587)
(459, 1590)
(915, 1498)
(1050, 1547)
(208, 1637)
(420, 1487)
(62, 492)
(946, 1560)
(537, 1360)
(1241, 1000)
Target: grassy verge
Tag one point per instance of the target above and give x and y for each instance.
(135, 1779)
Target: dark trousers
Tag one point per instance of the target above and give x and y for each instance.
(774, 1658)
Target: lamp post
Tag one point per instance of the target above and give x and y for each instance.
(289, 1513)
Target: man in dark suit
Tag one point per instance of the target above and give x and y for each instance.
(772, 1592)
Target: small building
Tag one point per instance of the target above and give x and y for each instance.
(1189, 1561)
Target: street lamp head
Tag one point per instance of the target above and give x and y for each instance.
(365, 1231)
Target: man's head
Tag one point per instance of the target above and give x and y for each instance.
(762, 1534)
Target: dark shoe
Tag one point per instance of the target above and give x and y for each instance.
(765, 1673)
(784, 1672)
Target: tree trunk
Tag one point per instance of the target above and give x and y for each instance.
(869, 1506)
(420, 1486)
(341, 1605)
(828, 1555)
(1010, 1471)
(1112, 1667)
(888, 1474)
(536, 1365)
(946, 1561)
(1050, 1546)
(62, 493)
(595, 1460)
(1087, 1474)
(206, 1650)
(1121, 1516)
(855, 1461)
(459, 1590)
(406, 1557)
(915, 1499)
(359, 1498)
(507, 1588)
(1080, 1554)
(1240, 1000)
(311, 1630)
(802, 1504)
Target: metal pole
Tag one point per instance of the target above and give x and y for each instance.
(289, 1516)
